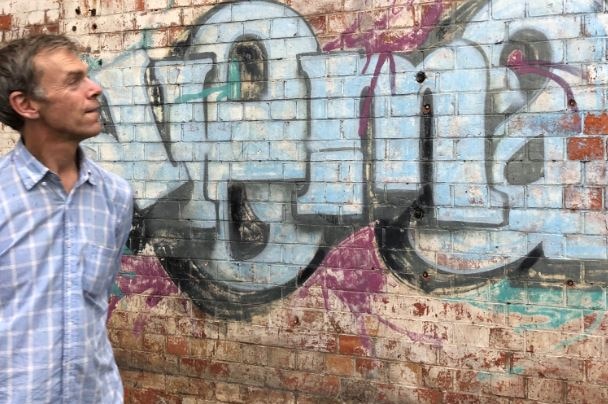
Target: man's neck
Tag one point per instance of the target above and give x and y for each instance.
(61, 157)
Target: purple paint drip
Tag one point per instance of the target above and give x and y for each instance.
(150, 278)
(385, 45)
(340, 275)
(519, 64)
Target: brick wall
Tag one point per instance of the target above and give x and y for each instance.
(393, 201)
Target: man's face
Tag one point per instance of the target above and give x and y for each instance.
(68, 108)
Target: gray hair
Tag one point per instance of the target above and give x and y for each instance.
(18, 73)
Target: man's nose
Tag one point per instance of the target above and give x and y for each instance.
(95, 89)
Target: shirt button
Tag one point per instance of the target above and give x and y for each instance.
(44, 183)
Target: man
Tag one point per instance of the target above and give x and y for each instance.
(63, 223)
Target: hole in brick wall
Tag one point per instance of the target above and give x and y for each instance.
(248, 71)
(420, 76)
(73, 28)
(77, 11)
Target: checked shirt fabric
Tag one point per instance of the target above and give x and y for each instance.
(59, 254)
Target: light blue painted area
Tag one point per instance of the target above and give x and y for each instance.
(313, 101)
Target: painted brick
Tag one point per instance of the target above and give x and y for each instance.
(586, 393)
(562, 368)
(348, 333)
(409, 374)
(143, 396)
(586, 148)
(438, 378)
(548, 390)
(596, 124)
(583, 198)
(5, 22)
(506, 385)
(339, 365)
(352, 345)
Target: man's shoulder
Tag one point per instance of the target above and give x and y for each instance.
(6, 158)
(113, 182)
(7, 166)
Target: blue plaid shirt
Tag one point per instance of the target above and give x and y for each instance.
(59, 253)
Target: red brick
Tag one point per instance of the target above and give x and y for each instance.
(596, 124)
(583, 198)
(147, 380)
(147, 396)
(203, 367)
(597, 372)
(407, 373)
(178, 346)
(562, 368)
(201, 388)
(437, 377)
(310, 361)
(254, 354)
(506, 385)
(310, 383)
(429, 396)
(318, 24)
(353, 345)
(586, 148)
(548, 390)
(251, 394)
(371, 369)
(154, 362)
(460, 398)
(281, 358)
(586, 394)
(474, 359)
(339, 365)
(6, 22)
(140, 5)
(467, 381)
(228, 392)
(125, 339)
(246, 374)
(154, 342)
(506, 338)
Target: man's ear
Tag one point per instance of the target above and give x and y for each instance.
(24, 105)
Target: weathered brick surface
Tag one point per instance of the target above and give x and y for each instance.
(353, 202)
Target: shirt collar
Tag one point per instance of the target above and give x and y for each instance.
(33, 171)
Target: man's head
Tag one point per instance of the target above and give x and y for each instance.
(42, 81)
(19, 73)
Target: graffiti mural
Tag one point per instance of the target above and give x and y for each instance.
(458, 153)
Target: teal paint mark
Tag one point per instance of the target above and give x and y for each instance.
(547, 296)
(595, 326)
(128, 275)
(588, 298)
(116, 291)
(505, 292)
(231, 90)
(95, 63)
(515, 297)
(92, 62)
(234, 80)
(555, 317)
(482, 376)
(518, 370)
(170, 4)
(223, 92)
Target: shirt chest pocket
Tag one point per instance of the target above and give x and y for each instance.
(99, 264)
